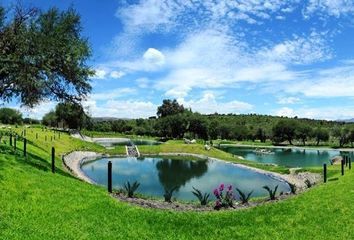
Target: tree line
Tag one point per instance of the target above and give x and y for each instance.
(174, 121)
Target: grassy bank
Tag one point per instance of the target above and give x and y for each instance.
(36, 204)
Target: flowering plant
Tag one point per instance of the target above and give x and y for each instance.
(224, 199)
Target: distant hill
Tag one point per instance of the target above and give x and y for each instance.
(346, 120)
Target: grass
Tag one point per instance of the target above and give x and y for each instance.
(36, 204)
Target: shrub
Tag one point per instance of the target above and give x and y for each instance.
(131, 188)
(168, 194)
(272, 193)
(244, 198)
(224, 200)
(203, 198)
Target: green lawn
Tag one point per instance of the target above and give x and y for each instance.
(36, 204)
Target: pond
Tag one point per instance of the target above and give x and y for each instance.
(288, 157)
(156, 173)
(112, 142)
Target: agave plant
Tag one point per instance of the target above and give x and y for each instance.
(243, 196)
(203, 198)
(168, 194)
(131, 188)
(272, 193)
(292, 188)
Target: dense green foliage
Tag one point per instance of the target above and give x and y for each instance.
(43, 56)
(10, 116)
(180, 124)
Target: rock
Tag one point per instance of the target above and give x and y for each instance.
(336, 160)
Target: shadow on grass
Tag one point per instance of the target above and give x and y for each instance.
(30, 160)
(333, 179)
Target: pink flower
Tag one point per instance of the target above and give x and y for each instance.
(216, 192)
(218, 203)
(229, 187)
(221, 188)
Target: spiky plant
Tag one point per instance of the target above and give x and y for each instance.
(292, 188)
(168, 194)
(244, 198)
(131, 188)
(272, 193)
(203, 198)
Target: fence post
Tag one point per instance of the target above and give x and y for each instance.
(10, 139)
(324, 173)
(53, 160)
(350, 163)
(346, 160)
(25, 147)
(109, 176)
(342, 166)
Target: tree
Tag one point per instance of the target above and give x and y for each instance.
(43, 56)
(320, 134)
(50, 119)
(284, 130)
(169, 107)
(341, 134)
(70, 115)
(198, 126)
(172, 126)
(302, 132)
(261, 135)
(10, 116)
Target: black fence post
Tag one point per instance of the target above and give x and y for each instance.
(10, 139)
(346, 161)
(342, 166)
(109, 176)
(350, 163)
(53, 160)
(324, 173)
(59, 135)
(25, 147)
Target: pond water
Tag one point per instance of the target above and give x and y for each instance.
(107, 142)
(156, 173)
(286, 156)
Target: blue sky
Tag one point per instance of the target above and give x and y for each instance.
(276, 57)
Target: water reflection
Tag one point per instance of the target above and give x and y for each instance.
(155, 174)
(287, 156)
(175, 173)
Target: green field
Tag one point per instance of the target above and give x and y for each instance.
(36, 204)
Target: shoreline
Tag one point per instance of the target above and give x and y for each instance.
(74, 160)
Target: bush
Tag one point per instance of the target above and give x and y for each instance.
(130, 189)
(168, 194)
(203, 198)
(272, 193)
(244, 198)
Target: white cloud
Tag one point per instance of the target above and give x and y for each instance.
(330, 82)
(122, 109)
(142, 82)
(334, 8)
(324, 112)
(288, 100)
(154, 57)
(113, 94)
(100, 74)
(208, 104)
(285, 112)
(117, 74)
(38, 111)
(300, 50)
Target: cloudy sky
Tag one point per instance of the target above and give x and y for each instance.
(277, 57)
